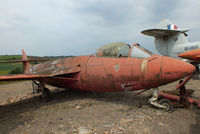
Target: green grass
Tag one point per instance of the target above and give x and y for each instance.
(9, 66)
(10, 57)
(5, 68)
(4, 72)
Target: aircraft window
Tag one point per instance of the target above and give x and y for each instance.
(140, 52)
(124, 51)
(117, 49)
(145, 50)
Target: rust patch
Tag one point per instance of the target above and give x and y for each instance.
(122, 77)
(112, 85)
(109, 75)
(116, 68)
(82, 80)
(168, 73)
(185, 73)
(111, 82)
(157, 76)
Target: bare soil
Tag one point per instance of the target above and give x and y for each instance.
(74, 112)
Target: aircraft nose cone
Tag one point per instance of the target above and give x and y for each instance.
(174, 69)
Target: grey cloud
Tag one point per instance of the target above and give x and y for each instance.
(21, 18)
(72, 27)
(113, 13)
(163, 9)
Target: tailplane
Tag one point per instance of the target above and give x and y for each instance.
(25, 61)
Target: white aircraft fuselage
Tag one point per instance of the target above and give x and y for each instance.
(171, 42)
(174, 45)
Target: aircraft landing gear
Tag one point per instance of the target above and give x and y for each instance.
(163, 104)
(38, 86)
(168, 104)
(45, 91)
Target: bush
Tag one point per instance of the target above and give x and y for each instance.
(16, 70)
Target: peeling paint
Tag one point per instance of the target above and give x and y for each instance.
(54, 62)
(110, 76)
(157, 76)
(116, 68)
(144, 65)
(112, 85)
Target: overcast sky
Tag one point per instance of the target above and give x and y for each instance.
(78, 27)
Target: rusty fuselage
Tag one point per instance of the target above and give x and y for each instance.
(93, 73)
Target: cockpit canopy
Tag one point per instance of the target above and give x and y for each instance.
(120, 49)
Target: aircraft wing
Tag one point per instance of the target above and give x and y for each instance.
(197, 58)
(22, 77)
(58, 68)
(191, 55)
(162, 32)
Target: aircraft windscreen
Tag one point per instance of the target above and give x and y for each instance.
(120, 49)
(140, 52)
(145, 49)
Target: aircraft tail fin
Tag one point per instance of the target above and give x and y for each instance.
(26, 64)
(24, 56)
(167, 35)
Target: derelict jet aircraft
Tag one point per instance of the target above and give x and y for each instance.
(171, 40)
(115, 67)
